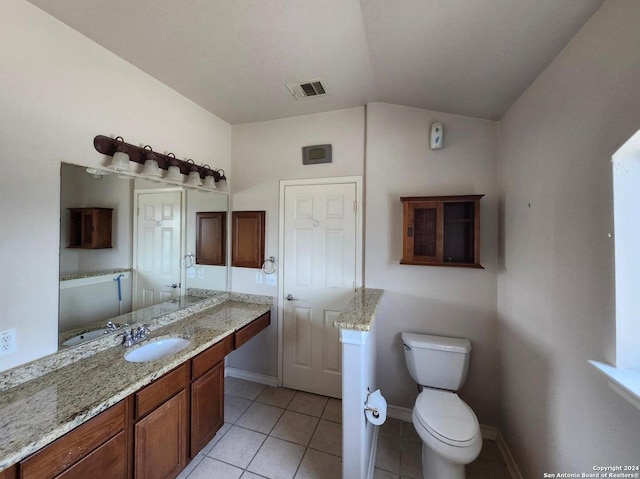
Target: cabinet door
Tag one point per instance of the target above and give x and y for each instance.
(207, 407)
(211, 237)
(423, 232)
(247, 245)
(109, 460)
(161, 440)
(76, 445)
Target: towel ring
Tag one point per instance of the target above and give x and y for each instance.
(188, 260)
(269, 265)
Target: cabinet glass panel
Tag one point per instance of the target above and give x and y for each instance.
(424, 240)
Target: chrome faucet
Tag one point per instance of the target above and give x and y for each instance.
(134, 336)
(111, 326)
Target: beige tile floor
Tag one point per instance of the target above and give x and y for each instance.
(279, 433)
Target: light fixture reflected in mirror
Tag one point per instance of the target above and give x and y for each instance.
(97, 173)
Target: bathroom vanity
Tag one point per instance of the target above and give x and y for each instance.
(103, 416)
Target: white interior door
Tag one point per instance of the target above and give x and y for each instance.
(319, 277)
(158, 248)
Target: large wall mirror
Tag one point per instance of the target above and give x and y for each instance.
(151, 258)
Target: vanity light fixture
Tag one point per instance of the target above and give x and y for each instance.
(209, 180)
(194, 180)
(120, 160)
(151, 169)
(123, 153)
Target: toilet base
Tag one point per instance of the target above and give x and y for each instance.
(435, 466)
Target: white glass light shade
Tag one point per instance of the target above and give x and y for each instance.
(194, 179)
(120, 161)
(151, 169)
(173, 174)
(210, 182)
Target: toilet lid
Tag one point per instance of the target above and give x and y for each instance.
(446, 416)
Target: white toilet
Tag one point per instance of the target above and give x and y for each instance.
(447, 425)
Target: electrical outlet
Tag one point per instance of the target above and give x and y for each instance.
(200, 273)
(259, 277)
(272, 279)
(7, 341)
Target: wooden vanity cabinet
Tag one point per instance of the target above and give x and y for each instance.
(153, 433)
(97, 448)
(10, 473)
(207, 393)
(247, 332)
(90, 228)
(161, 431)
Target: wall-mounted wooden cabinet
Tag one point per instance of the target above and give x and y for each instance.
(247, 239)
(90, 228)
(211, 237)
(441, 230)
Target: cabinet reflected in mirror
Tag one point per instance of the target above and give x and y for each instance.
(152, 254)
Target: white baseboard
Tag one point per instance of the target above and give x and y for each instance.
(372, 454)
(488, 432)
(250, 376)
(397, 412)
(512, 467)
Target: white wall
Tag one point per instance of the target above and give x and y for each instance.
(458, 302)
(263, 154)
(555, 283)
(58, 90)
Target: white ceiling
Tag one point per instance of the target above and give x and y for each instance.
(234, 57)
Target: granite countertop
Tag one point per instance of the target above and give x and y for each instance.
(71, 276)
(35, 413)
(361, 311)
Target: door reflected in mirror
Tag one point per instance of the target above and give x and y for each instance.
(151, 259)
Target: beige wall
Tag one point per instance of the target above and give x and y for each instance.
(263, 154)
(58, 90)
(458, 302)
(555, 281)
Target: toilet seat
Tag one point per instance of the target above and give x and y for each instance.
(446, 417)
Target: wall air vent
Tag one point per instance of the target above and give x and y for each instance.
(310, 89)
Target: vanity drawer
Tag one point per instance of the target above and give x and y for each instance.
(153, 395)
(75, 445)
(210, 357)
(244, 334)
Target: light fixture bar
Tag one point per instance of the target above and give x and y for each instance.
(108, 146)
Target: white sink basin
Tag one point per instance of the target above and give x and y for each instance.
(84, 337)
(156, 349)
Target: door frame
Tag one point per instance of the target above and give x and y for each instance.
(358, 182)
(183, 234)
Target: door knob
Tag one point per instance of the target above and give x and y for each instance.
(291, 298)
(173, 285)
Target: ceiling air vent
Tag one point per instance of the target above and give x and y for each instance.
(308, 89)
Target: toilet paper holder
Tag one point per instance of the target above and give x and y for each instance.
(373, 410)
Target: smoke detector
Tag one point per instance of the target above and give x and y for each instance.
(309, 89)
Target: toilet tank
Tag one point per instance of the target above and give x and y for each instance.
(437, 361)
